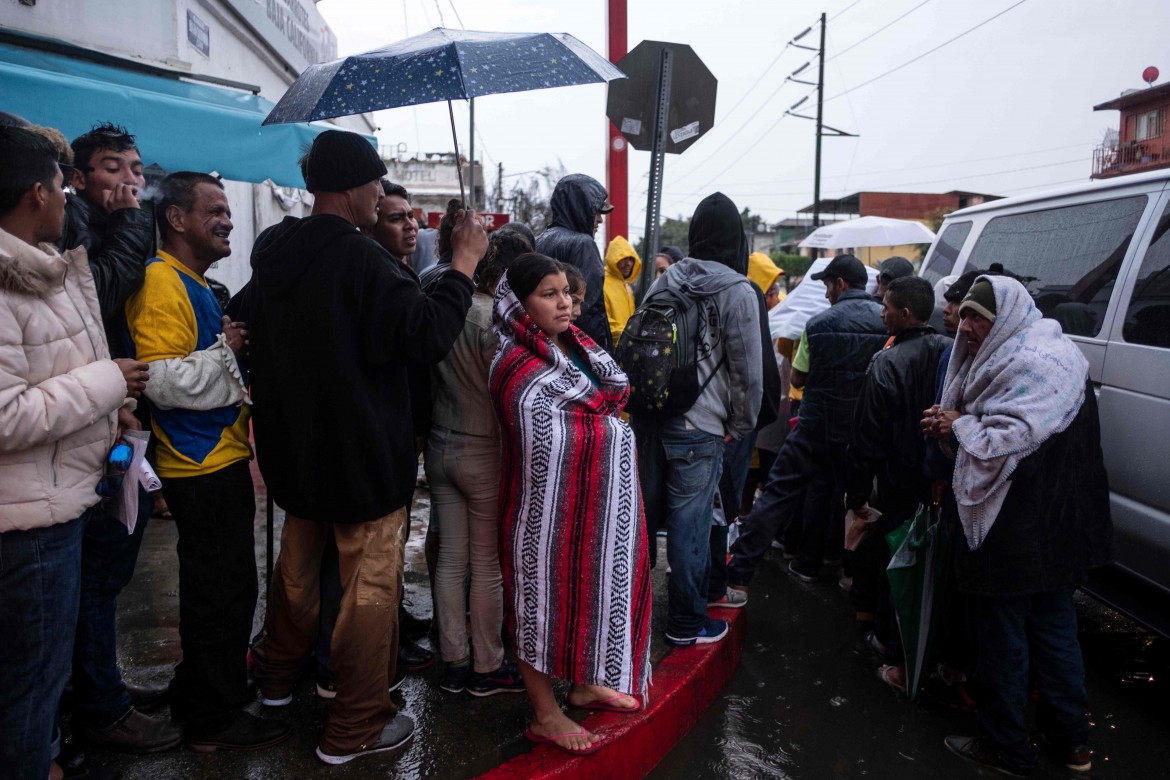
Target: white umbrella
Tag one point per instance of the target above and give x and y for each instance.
(787, 320)
(868, 231)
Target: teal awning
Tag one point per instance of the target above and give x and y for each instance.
(178, 124)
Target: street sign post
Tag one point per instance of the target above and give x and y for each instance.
(666, 104)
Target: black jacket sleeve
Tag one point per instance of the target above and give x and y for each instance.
(867, 442)
(771, 377)
(401, 322)
(118, 260)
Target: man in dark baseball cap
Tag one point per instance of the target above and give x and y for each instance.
(846, 268)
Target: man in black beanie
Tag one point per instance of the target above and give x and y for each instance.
(335, 321)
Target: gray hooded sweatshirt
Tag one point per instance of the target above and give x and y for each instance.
(729, 334)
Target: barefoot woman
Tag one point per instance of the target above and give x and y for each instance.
(576, 572)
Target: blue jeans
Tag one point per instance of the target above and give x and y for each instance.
(40, 571)
(108, 555)
(1018, 633)
(679, 469)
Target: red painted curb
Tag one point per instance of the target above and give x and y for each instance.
(686, 681)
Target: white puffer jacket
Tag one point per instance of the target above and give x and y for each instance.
(59, 390)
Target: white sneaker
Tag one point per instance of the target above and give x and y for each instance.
(732, 599)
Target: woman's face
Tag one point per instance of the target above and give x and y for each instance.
(661, 263)
(550, 306)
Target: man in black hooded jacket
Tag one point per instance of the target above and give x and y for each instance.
(335, 321)
(578, 204)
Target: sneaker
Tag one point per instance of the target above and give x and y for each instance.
(241, 732)
(455, 677)
(711, 632)
(412, 656)
(977, 753)
(394, 735)
(803, 572)
(732, 599)
(1079, 758)
(506, 679)
(778, 545)
(326, 689)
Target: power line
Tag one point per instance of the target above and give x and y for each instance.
(875, 32)
(844, 10)
(928, 52)
(885, 187)
(919, 167)
(439, 10)
(456, 12)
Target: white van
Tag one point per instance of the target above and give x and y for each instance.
(1096, 257)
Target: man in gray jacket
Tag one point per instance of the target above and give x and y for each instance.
(680, 458)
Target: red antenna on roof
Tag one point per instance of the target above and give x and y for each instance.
(1150, 75)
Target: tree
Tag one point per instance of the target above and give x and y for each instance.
(672, 232)
(529, 196)
(751, 222)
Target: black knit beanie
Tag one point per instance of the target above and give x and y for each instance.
(339, 161)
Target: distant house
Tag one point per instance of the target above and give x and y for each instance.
(924, 207)
(1141, 143)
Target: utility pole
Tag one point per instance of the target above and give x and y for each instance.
(820, 125)
(819, 119)
(500, 188)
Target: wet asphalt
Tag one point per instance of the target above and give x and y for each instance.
(804, 702)
(457, 735)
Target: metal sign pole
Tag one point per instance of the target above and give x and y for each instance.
(657, 161)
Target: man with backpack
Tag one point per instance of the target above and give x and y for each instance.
(694, 388)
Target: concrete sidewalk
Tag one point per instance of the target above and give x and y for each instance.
(458, 735)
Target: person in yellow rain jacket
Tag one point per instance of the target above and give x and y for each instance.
(622, 265)
(765, 274)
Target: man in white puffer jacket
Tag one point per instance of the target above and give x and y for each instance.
(61, 398)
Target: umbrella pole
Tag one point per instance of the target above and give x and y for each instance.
(458, 165)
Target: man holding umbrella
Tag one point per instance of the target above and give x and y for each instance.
(335, 322)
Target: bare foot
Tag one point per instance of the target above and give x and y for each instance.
(584, 695)
(564, 732)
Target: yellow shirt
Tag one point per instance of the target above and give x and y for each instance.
(174, 314)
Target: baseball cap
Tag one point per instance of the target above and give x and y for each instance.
(845, 267)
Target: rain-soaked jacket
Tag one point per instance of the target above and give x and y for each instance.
(619, 298)
(576, 202)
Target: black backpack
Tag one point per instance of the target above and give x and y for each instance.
(658, 350)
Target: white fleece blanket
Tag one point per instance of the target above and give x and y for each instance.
(1024, 385)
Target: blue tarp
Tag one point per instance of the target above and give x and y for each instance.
(178, 124)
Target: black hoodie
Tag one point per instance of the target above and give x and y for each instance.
(576, 201)
(334, 321)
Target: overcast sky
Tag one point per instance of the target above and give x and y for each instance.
(1005, 109)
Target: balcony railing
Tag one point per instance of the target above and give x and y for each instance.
(1132, 157)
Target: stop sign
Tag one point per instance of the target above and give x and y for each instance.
(632, 102)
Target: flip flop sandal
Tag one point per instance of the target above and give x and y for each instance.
(886, 674)
(605, 705)
(580, 732)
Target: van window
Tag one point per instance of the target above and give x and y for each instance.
(946, 251)
(1068, 258)
(1147, 320)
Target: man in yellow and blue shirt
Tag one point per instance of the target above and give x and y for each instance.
(199, 412)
